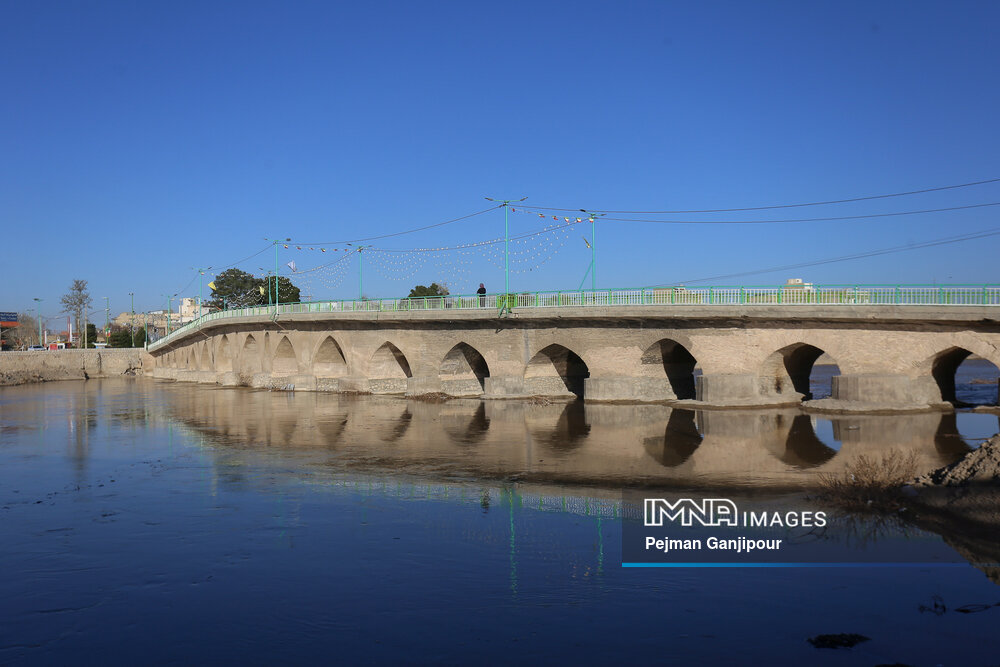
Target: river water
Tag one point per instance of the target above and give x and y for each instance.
(156, 522)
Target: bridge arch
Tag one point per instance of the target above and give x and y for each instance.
(250, 358)
(945, 367)
(284, 361)
(676, 361)
(388, 370)
(224, 357)
(788, 370)
(329, 360)
(206, 356)
(463, 371)
(556, 370)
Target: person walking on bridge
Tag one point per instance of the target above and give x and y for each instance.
(482, 295)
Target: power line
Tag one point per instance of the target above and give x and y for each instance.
(776, 206)
(872, 253)
(408, 231)
(787, 220)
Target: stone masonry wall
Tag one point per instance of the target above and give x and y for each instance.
(51, 365)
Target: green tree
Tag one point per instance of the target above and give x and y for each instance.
(287, 292)
(433, 290)
(238, 288)
(241, 289)
(91, 334)
(76, 301)
(122, 337)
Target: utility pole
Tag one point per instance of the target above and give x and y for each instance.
(107, 316)
(39, 319)
(593, 247)
(131, 322)
(361, 271)
(505, 205)
(170, 298)
(30, 311)
(276, 242)
(201, 279)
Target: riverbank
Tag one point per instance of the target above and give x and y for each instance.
(52, 365)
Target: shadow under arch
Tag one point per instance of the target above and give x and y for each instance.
(788, 370)
(284, 361)
(680, 439)
(329, 361)
(250, 361)
(207, 363)
(463, 371)
(943, 370)
(556, 371)
(803, 449)
(388, 370)
(678, 364)
(224, 357)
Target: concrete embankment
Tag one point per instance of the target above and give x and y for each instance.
(51, 365)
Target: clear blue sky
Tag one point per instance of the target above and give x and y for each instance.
(138, 140)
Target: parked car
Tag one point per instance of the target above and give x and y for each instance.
(35, 347)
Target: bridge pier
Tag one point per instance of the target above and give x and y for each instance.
(730, 389)
(636, 389)
(423, 384)
(504, 386)
(889, 391)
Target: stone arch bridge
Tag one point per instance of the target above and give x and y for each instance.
(890, 357)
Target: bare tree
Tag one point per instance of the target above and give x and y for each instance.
(26, 333)
(76, 302)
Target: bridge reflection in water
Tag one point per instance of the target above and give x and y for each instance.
(571, 442)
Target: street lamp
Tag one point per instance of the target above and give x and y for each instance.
(39, 319)
(361, 270)
(593, 247)
(275, 242)
(107, 316)
(131, 322)
(170, 298)
(201, 273)
(505, 204)
(267, 281)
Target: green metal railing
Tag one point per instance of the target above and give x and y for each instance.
(746, 295)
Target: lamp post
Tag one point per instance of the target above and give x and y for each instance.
(505, 204)
(593, 247)
(170, 298)
(276, 242)
(131, 322)
(30, 311)
(201, 279)
(267, 281)
(361, 270)
(39, 319)
(107, 316)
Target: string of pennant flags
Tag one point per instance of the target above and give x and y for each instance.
(453, 264)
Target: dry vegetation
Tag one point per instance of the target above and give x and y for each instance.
(871, 482)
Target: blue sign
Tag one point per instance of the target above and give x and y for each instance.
(8, 317)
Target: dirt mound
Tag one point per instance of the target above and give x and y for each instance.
(979, 467)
